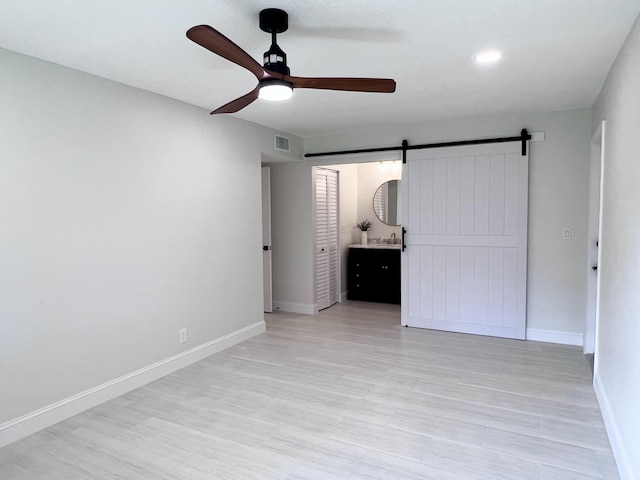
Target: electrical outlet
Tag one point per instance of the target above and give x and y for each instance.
(183, 335)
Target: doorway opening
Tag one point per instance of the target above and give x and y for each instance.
(367, 191)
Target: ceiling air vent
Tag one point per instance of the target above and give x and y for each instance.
(282, 143)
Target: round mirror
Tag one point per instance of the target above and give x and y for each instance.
(386, 202)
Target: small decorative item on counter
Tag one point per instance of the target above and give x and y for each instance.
(363, 226)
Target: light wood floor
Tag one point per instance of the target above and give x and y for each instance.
(345, 394)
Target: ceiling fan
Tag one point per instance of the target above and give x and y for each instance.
(274, 81)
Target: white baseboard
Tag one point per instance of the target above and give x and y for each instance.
(295, 307)
(33, 422)
(620, 453)
(555, 336)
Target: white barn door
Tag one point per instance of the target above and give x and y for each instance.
(327, 241)
(464, 268)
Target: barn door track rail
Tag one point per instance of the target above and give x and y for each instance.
(523, 137)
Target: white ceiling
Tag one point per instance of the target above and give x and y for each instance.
(556, 53)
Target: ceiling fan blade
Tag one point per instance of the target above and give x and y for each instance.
(216, 42)
(239, 103)
(379, 85)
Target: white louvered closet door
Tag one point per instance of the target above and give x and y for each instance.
(465, 265)
(327, 248)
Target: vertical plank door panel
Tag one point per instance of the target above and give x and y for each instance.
(465, 212)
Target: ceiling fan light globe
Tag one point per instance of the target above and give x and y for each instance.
(275, 92)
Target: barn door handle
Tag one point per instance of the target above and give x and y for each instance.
(404, 231)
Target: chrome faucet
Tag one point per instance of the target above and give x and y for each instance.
(393, 236)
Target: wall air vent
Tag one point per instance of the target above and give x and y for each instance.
(282, 143)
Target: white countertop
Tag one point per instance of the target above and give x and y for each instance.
(387, 246)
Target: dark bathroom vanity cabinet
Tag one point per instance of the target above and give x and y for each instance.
(374, 273)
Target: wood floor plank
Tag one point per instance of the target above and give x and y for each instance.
(543, 451)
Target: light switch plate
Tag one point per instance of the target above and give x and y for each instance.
(566, 234)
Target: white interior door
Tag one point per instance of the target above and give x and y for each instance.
(327, 242)
(594, 236)
(465, 264)
(266, 239)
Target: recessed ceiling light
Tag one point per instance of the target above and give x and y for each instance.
(488, 56)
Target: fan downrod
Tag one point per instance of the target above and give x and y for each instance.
(274, 21)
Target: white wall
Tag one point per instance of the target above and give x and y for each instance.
(617, 379)
(559, 169)
(348, 178)
(124, 217)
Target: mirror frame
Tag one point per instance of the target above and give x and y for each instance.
(375, 210)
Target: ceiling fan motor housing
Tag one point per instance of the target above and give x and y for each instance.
(274, 21)
(276, 60)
